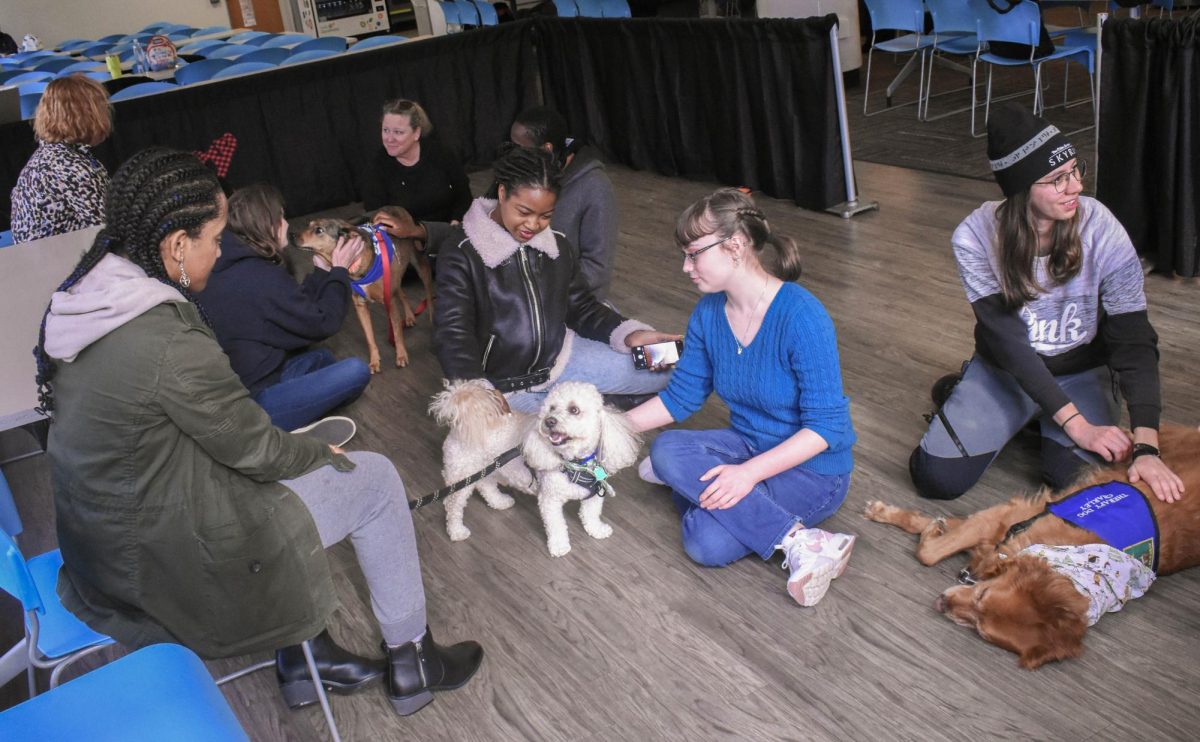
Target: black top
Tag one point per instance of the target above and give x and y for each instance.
(435, 189)
(262, 317)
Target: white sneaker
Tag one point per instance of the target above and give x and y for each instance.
(646, 472)
(335, 430)
(815, 558)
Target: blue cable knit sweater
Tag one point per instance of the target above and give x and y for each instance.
(787, 379)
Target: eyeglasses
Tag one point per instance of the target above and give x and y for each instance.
(696, 253)
(1061, 180)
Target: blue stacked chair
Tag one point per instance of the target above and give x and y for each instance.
(242, 68)
(954, 29)
(30, 76)
(142, 89)
(487, 13)
(245, 37)
(71, 45)
(201, 70)
(329, 43)
(615, 9)
(589, 8)
(287, 39)
(54, 64)
(84, 66)
(375, 42)
(228, 51)
(309, 56)
(566, 8)
(274, 55)
(907, 16)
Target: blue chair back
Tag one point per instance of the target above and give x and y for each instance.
(566, 8)
(467, 14)
(201, 47)
(375, 42)
(215, 29)
(155, 27)
(589, 8)
(200, 71)
(15, 577)
(287, 39)
(55, 65)
(98, 76)
(242, 68)
(228, 51)
(450, 11)
(329, 43)
(615, 8)
(142, 89)
(71, 45)
(487, 13)
(245, 37)
(259, 40)
(25, 77)
(275, 55)
(112, 38)
(10, 520)
(1021, 25)
(97, 50)
(85, 66)
(6, 522)
(311, 55)
(28, 88)
(6, 75)
(897, 15)
(29, 104)
(952, 16)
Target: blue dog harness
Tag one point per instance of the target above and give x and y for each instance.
(380, 241)
(1119, 514)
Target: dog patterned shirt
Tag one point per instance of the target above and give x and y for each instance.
(61, 189)
(1108, 578)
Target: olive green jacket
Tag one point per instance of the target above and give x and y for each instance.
(171, 519)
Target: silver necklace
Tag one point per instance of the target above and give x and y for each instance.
(750, 320)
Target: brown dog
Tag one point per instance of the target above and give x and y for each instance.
(1019, 601)
(321, 237)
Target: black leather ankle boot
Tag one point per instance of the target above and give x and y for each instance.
(421, 667)
(341, 671)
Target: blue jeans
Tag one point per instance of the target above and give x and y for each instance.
(596, 363)
(760, 520)
(312, 384)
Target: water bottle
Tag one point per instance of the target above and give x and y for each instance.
(139, 59)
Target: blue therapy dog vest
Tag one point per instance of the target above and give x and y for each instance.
(378, 235)
(1119, 514)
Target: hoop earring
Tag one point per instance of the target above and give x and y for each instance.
(184, 279)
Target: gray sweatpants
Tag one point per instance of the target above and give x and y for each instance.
(368, 505)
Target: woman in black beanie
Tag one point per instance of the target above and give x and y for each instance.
(1057, 291)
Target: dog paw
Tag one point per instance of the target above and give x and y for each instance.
(373, 363)
(410, 319)
(877, 511)
(500, 501)
(599, 530)
(460, 533)
(557, 550)
(401, 360)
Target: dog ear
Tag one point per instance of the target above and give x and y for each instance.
(988, 566)
(538, 454)
(1062, 611)
(619, 444)
(442, 405)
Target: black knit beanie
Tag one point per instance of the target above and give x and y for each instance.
(1023, 148)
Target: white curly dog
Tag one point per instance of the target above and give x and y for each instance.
(576, 444)
(481, 428)
(574, 440)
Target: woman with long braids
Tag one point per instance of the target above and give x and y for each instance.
(183, 514)
(1060, 310)
(767, 347)
(512, 305)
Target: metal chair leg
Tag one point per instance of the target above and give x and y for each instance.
(316, 679)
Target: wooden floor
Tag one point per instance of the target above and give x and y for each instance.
(627, 639)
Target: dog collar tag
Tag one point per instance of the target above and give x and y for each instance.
(599, 473)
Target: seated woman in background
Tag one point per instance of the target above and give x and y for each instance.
(183, 514)
(767, 347)
(62, 187)
(512, 304)
(413, 171)
(265, 322)
(586, 212)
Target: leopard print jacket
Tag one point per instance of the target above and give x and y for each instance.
(61, 189)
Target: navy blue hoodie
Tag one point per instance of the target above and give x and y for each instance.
(262, 316)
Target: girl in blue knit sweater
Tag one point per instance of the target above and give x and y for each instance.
(767, 347)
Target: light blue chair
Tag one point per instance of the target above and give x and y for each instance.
(907, 16)
(1021, 25)
(245, 37)
(155, 27)
(201, 48)
(85, 66)
(25, 77)
(275, 55)
(6, 74)
(55, 65)
(450, 12)
(142, 89)
(468, 15)
(228, 51)
(242, 68)
(54, 638)
(566, 8)
(112, 38)
(215, 29)
(29, 104)
(330, 43)
(71, 45)
(259, 39)
(375, 42)
(954, 28)
(99, 49)
(28, 88)
(201, 70)
(160, 692)
(615, 9)
(6, 239)
(589, 8)
(487, 13)
(287, 39)
(311, 55)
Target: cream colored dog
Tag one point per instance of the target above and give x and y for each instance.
(481, 428)
(575, 440)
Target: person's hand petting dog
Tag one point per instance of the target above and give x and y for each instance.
(344, 253)
(1166, 484)
(398, 230)
(1107, 441)
(730, 483)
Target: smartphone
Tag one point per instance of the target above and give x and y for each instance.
(657, 355)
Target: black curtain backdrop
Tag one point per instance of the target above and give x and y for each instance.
(747, 102)
(744, 102)
(1150, 137)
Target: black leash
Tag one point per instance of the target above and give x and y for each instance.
(436, 495)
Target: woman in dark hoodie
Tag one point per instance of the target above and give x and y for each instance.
(266, 323)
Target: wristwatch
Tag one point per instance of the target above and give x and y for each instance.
(1143, 449)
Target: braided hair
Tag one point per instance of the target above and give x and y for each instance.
(524, 167)
(729, 211)
(544, 125)
(156, 192)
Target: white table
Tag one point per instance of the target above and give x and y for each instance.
(29, 274)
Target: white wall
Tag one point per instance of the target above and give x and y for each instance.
(54, 21)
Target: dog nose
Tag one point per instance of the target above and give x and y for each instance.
(550, 423)
(939, 605)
